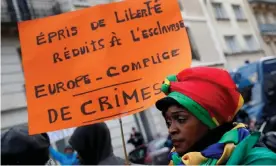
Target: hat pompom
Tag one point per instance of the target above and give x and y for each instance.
(165, 87)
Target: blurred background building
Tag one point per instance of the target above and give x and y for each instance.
(265, 13)
(204, 42)
(222, 33)
(13, 107)
(233, 23)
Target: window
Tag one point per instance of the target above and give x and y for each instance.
(24, 10)
(269, 74)
(238, 12)
(195, 54)
(270, 18)
(265, 18)
(81, 4)
(270, 45)
(259, 17)
(79, 7)
(231, 44)
(219, 11)
(250, 42)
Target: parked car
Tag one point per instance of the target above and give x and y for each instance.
(155, 152)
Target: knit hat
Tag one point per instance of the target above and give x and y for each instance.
(208, 93)
(20, 148)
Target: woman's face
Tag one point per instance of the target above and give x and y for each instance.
(184, 128)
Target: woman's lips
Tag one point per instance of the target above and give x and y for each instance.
(176, 143)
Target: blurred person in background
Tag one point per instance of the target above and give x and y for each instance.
(66, 158)
(93, 144)
(20, 148)
(136, 138)
(199, 108)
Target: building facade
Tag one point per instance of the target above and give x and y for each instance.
(13, 107)
(265, 13)
(204, 43)
(235, 29)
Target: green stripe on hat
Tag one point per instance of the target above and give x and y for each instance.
(197, 110)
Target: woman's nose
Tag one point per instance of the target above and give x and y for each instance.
(173, 129)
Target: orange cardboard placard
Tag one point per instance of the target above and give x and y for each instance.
(100, 63)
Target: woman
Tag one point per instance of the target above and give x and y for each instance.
(199, 108)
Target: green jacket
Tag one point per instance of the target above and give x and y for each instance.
(246, 153)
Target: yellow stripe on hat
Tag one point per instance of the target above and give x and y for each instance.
(215, 120)
(167, 81)
(239, 104)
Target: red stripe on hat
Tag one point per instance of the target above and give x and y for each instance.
(212, 88)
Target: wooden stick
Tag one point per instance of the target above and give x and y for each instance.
(123, 139)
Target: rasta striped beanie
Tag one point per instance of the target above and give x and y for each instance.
(208, 93)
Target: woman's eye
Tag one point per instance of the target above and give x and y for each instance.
(181, 119)
(168, 123)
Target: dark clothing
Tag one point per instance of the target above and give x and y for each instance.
(20, 148)
(269, 111)
(270, 141)
(112, 160)
(136, 139)
(242, 117)
(270, 124)
(93, 144)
